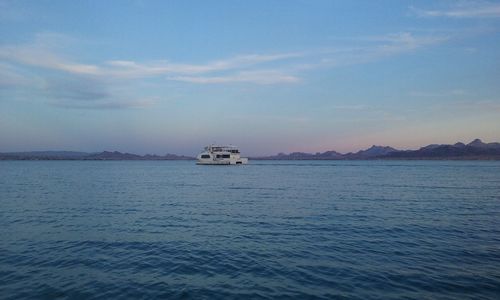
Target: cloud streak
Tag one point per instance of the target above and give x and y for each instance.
(43, 53)
(361, 50)
(447, 93)
(11, 77)
(71, 83)
(133, 69)
(257, 77)
(107, 103)
(463, 10)
(76, 88)
(245, 68)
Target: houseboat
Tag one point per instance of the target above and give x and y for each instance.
(221, 155)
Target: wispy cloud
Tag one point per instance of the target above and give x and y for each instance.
(43, 53)
(366, 49)
(107, 103)
(266, 118)
(154, 68)
(445, 93)
(470, 9)
(257, 77)
(84, 92)
(11, 77)
(77, 88)
(481, 105)
(354, 107)
(405, 41)
(83, 84)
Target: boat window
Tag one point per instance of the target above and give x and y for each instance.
(226, 156)
(205, 156)
(219, 155)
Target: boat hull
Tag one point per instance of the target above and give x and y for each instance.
(241, 161)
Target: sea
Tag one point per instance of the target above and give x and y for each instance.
(267, 230)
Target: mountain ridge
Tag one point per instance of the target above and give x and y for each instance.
(75, 155)
(476, 149)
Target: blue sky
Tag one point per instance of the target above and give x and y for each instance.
(269, 76)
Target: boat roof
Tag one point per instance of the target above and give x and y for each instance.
(221, 148)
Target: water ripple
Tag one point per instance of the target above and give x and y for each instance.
(270, 230)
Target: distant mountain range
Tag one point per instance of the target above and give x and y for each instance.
(72, 155)
(473, 150)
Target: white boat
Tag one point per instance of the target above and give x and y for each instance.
(221, 155)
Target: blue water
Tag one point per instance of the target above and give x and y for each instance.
(303, 230)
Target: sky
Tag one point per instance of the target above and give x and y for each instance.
(269, 76)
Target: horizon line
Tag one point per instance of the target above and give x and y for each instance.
(254, 156)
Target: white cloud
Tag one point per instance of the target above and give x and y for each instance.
(257, 77)
(45, 52)
(361, 50)
(162, 67)
(106, 85)
(474, 9)
(408, 41)
(81, 84)
(445, 93)
(355, 107)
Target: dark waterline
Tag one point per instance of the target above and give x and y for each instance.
(271, 229)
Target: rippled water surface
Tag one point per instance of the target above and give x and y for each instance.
(304, 230)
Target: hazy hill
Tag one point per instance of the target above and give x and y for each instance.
(474, 150)
(43, 155)
(373, 151)
(303, 156)
(115, 155)
(477, 143)
(71, 155)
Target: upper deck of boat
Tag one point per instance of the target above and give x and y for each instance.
(216, 148)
